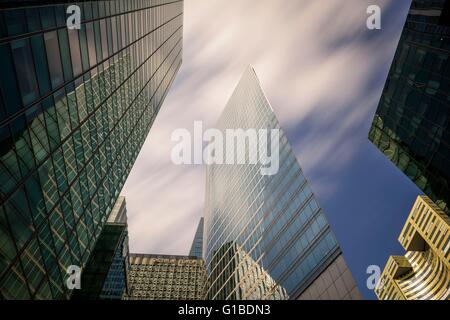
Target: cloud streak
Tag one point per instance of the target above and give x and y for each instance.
(322, 71)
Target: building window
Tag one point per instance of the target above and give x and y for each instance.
(53, 55)
(26, 77)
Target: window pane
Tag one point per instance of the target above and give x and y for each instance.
(40, 59)
(23, 62)
(51, 44)
(91, 44)
(75, 52)
(47, 17)
(65, 54)
(10, 92)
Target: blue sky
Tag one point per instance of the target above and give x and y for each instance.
(323, 72)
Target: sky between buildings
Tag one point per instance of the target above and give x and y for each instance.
(323, 72)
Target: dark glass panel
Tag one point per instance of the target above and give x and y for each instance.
(40, 60)
(34, 24)
(84, 49)
(47, 17)
(65, 54)
(23, 61)
(53, 56)
(19, 217)
(8, 81)
(15, 21)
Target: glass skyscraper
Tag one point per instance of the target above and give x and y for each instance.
(411, 124)
(106, 275)
(265, 236)
(197, 244)
(75, 109)
(116, 284)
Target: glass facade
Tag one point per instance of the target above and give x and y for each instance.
(246, 279)
(75, 109)
(116, 283)
(197, 243)
(162, 277)
(106, 273)
(411, 124)
(273, 221)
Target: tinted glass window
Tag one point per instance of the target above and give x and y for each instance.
(53, 56)
(23, 62)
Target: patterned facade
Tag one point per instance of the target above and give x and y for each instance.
(75, 109)
(160, 277)
(246, 279)
(424, 272)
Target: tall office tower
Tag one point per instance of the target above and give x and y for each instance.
(162, 277)
(424, 272)
(75, 109)
(197, 243)
(270, 220)
(411, 124)
(106, 275)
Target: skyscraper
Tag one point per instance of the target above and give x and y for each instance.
(163, 277)
(273, 221)
(197, 243)
(117, 283)
(75, 109)
(106, 275)
(424, 272)
(411, 124)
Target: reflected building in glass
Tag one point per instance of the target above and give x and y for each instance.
(75, 109)
(265, 236)
(411, 124)
(246, 279)
(106, 275)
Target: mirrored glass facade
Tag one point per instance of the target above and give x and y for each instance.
(116, 284)
(197, 243)
(106, 273)
(273, 221)
(75, 109)
(411, 124)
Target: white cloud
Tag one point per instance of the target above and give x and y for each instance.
(312, 62)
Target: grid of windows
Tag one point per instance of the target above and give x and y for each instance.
(411, 124)
(197, 243)
(75, 109)
(159, 277)
(423, 273)
(245, 278)
(116, 282)
(275, 219)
